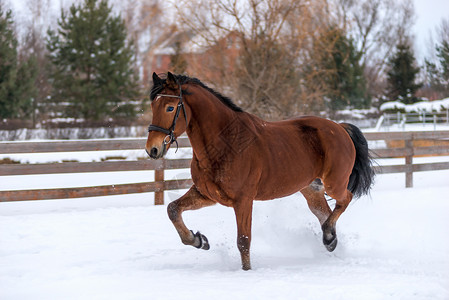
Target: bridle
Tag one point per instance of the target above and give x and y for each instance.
(170, 132)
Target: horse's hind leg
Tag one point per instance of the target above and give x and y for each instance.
(314, 194)
(190, 201)
(343, 197)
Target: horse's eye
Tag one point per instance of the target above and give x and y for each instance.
(170, 109)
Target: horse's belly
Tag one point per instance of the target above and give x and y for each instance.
(287, 175)
(281, 189)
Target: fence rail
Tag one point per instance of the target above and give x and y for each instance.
(158, 186)
(422, 117)
(410, 149)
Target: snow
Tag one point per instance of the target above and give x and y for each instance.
(392, 105)
(392, 245)
(358, 113)
(440, 105)
(427, 106)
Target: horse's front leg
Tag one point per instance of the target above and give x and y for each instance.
(190, 201)
(243, 214)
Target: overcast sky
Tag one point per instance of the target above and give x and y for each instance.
(429, 14)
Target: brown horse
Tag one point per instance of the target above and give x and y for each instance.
(238, 158)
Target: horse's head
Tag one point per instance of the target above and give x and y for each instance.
(169, 115)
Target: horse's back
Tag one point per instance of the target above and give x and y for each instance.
(320, 134)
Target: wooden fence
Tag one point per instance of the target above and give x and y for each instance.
(410, 148)
(418, 143)
(158, 186)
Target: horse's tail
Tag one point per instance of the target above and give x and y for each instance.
(362, 176)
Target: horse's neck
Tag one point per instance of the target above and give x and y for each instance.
(209, 119)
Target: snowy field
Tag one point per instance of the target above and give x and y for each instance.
(392, 245)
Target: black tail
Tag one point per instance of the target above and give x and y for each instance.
(362, 176)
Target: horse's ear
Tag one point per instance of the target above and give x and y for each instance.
(156, 79)
(171, 81)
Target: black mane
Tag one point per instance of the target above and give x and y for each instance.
(183, 79)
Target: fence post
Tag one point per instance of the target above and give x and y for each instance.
(409, 163)
(159, 179)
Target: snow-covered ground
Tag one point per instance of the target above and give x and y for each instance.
(392, 245)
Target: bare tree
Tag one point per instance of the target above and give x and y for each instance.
(257, 50)
(147, 26)
(311, 32)
(437, 65)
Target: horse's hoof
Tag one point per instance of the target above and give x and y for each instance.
(330, 244)
(329, 237)
(201, 241)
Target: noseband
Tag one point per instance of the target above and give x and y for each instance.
(170, 132)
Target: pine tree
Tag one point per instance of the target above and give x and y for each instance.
(346, 79)
(92, 63)
(340, 71)
(402, 75)
(16, 79)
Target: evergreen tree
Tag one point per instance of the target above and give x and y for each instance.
(92, 62)
(16, 80)
(342, 74)
(346, 79)
(402, 75)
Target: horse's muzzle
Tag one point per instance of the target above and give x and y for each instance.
(156, 153)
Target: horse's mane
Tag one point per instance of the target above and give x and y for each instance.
(183, 79)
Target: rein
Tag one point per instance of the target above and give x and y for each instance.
(170, 137)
